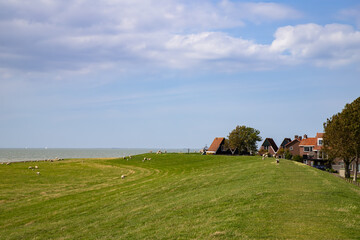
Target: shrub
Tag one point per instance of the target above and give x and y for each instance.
(298, 158)
(288, 155)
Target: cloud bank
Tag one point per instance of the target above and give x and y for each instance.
(45, 35)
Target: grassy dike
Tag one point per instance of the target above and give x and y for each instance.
(176, 196)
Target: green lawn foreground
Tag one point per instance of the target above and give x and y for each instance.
(176, 196)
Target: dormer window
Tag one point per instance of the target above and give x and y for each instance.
(320, 141)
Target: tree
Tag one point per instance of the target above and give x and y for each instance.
(351, 115)
(244, 139)
(342, 134)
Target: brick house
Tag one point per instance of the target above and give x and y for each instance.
(293, 146)
(270, 146)
(310, 150)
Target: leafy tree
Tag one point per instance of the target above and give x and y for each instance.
(244, 139)
(342, 134)
(281, 152)
(351, 116)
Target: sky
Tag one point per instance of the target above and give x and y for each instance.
(171, 73)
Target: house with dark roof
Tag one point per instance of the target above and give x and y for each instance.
(282, 146)
(310, 150)
(270, 146)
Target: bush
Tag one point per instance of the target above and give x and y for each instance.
(298, 158)
(288, 155)
(330, 170)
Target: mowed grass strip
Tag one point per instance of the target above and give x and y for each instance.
(176, 196)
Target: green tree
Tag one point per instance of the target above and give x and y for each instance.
(244, 139)
(342, 135)
(351, 116)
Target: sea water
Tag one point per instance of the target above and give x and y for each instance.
(32, 154)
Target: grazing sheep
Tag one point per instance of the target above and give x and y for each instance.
(38, 173)
(1, 163)
(149, 159)
(30, 167)
(123, 176)
(130, 156)
(8, 163)
(158, 152)
(36, 167)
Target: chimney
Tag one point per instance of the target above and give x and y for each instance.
(296, 136)
(305, 136)
(300, 138)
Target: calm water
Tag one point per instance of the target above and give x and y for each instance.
(22, 154)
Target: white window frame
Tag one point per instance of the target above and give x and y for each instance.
(318, 141)
(310, 149)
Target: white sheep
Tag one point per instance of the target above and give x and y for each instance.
(30, 167)
(38, 173)
(8, 163)
(123, 176)
(149, 159)
(36, 167)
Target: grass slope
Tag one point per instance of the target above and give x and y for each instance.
(176, 196)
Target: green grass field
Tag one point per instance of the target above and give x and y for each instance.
(176, 196)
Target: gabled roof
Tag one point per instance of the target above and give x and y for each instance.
(292, 142)
(284, 142)
(216, 144)
(272, 143)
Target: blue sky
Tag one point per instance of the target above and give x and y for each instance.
(171, 73)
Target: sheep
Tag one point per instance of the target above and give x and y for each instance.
(38, 173)
(123, 176)
(130, 156)
(149, 159)
(30, 167)
(36, 167)
(8, 163)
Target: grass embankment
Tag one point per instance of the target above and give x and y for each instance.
(176, 196)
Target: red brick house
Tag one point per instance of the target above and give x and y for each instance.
(270, 146)
(293, 146)
(310, 150)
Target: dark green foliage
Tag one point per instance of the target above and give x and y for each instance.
(342, 134)
(244, 139)
(288, 155)
(298, 158)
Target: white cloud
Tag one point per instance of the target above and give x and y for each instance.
(47, 35)
(329, 45)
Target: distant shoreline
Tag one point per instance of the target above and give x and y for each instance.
(41, 154)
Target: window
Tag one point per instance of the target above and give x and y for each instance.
(308, 149)
(266, 147)
(291, 148)
(320, 141)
